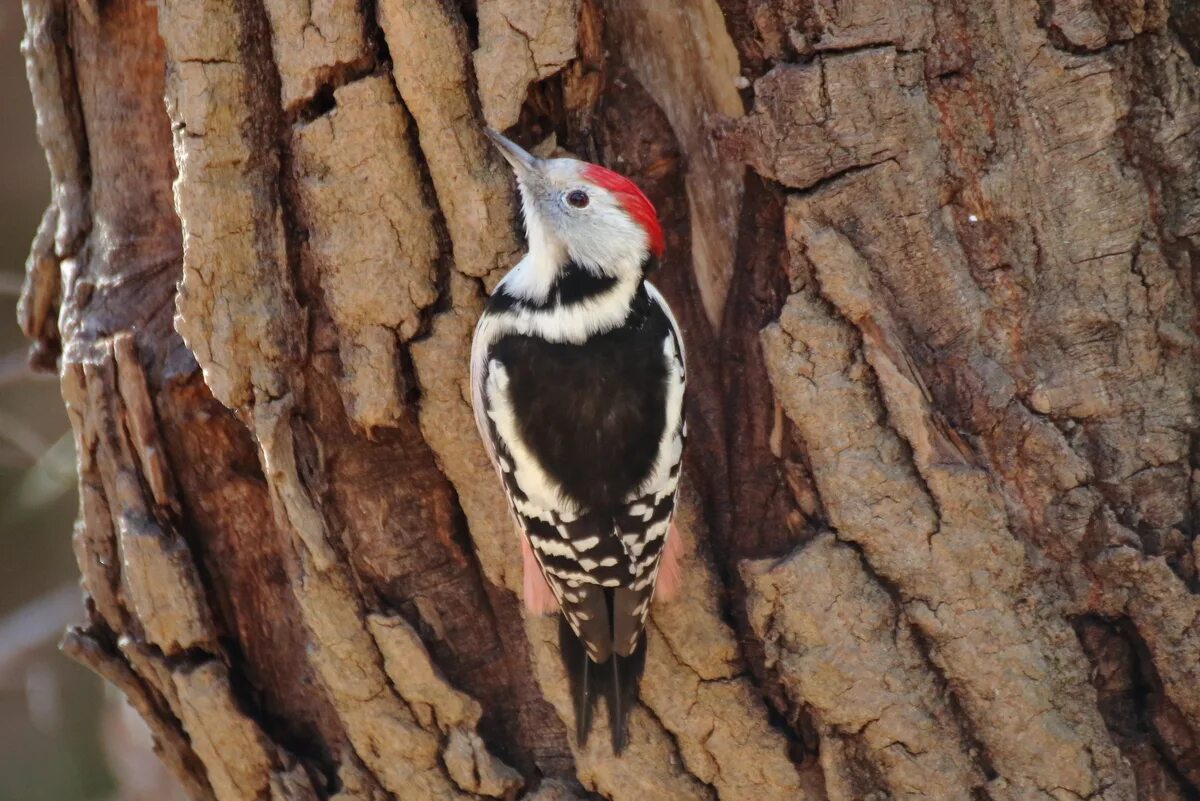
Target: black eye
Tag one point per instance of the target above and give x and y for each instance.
(578, 198)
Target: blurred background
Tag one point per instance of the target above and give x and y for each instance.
(52, 712)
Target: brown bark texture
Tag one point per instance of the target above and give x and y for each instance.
(936, 265)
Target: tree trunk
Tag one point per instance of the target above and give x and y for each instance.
(935, 265)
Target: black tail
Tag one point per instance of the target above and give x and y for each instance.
(616, 679)
(581, 674)
(622, 692)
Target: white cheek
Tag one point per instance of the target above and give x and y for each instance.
(605, 239)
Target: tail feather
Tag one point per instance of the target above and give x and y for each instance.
(616, 713)
(623, 692)
(617, 683)
(579, 668)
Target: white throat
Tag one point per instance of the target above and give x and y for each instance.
(533, 277)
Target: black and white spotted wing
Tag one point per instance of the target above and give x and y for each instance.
(587, 438)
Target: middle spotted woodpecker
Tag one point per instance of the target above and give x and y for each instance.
(577, 378)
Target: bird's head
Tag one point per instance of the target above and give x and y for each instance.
(583, 213)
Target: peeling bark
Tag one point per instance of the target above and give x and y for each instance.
(935, 265)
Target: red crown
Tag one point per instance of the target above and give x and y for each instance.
(636, 204)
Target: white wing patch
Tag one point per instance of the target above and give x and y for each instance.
(664, 476)
(542, 493)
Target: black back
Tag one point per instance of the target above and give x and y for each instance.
(593, 413)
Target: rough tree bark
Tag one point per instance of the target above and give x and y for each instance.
(936, 266)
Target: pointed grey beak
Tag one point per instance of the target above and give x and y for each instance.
(521, 160)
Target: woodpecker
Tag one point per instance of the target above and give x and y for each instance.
(577, 379)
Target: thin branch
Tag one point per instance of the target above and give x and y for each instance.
(10, 285)
(14, 367)
(21, 436)
(39, 623)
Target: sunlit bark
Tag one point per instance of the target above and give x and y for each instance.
(935, 265)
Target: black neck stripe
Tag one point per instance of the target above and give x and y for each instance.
(573, 285)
